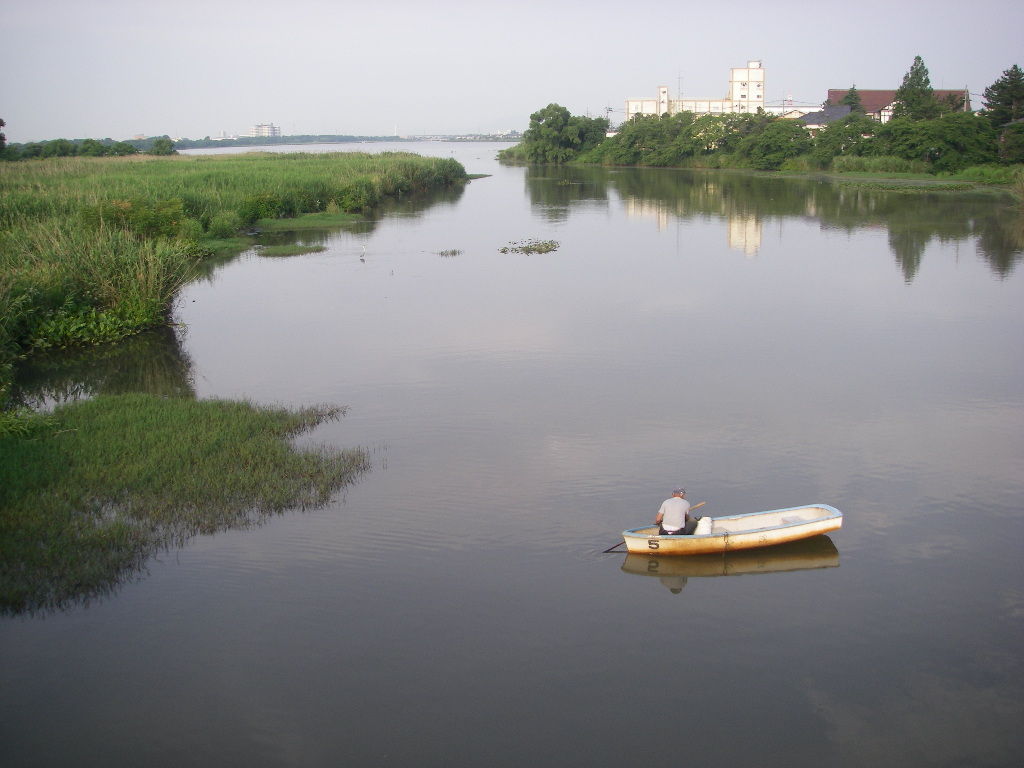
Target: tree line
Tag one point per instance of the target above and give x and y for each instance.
(925, 134)
(153, 145)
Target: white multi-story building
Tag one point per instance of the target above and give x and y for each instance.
(264, 129)
(746, 94)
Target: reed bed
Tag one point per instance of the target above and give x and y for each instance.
(88, 493)
(278, 184)
(93, 249)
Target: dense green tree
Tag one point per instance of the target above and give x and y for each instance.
(162, 145)
(123, 148)
(3, 138)
(592, 130)
(740, 127)
(852, 100)
(647, 140)
(915, 98)
(1004, 99)
(32, 149)
(92, 148)
(949, 143)
(1011, 143)
(710, 132)
(780, 140)
(59, 148)
(555, 136)
(853, 135)
(549, 138)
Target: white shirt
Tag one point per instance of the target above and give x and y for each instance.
(673, 513)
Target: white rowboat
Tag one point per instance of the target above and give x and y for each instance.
(732, 532)
(806, 554)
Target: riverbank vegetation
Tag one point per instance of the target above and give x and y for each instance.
(926, 136)
(94, 249)
(91, 491)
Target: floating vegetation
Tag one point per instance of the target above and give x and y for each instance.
(905, 187)
(289, 250)
(450, 252)
(530, 246)
(89, 493)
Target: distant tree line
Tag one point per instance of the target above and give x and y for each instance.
(153, 145)
(925, 134)
(159, 145)
(260, 141)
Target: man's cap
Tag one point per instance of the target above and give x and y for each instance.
(678, 490)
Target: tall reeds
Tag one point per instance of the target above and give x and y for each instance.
(93, 249)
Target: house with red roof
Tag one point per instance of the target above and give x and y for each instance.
(879, 104)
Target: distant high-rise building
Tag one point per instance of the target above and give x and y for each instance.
(264, 129)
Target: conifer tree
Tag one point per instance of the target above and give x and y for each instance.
(852, 100)
(915, 98)
(1004, 99)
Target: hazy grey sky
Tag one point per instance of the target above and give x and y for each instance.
(113, 68)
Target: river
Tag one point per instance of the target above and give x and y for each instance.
(767, 342)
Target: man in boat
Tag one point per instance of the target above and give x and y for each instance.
(673, 518)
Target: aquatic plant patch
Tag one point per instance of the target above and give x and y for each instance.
(530, 246)
(89, 493)
(289, 250)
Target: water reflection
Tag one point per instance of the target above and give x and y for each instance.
(912, 219)
(556, 190)
(673, 572)
(152, 362)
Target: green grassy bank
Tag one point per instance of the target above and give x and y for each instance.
(91, 491)
(94, 249)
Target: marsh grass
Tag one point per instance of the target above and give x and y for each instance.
(88, 493)
(290, 250)
(93, 249)
(324, 220)
(878, 164)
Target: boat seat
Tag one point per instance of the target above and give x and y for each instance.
(792, 519)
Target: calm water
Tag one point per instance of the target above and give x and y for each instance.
(767, 342)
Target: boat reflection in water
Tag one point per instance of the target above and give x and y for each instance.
(816, 552)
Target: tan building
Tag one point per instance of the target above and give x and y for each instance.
(746, 93)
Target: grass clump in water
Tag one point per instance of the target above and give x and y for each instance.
(88, 493)
(530, 246)
(290, 250)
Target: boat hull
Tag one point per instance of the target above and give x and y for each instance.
(806, 554)
(736, 532)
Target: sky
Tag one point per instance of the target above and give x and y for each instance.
(117, 69)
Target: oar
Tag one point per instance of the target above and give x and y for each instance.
(613, 547)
